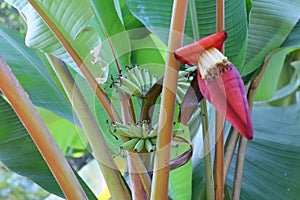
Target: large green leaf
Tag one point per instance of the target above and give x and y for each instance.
(32, 74)
(272, 163)
(156, 16)
(71, 18)
(269, 82)
(147, 50)
(270, 24)
(67, 135)
(18, 151)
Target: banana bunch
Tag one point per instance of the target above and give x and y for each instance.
(136, 81)
(141, 136)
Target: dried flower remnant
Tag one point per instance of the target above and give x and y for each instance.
(97, 62)
(219, 81)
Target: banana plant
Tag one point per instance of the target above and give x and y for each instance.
(105, 78)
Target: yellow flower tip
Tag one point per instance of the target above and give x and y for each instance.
(212, 63)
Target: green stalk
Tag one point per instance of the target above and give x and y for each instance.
(237, 182)
(39, 133)
(114, 180)
(219, 135)
(209, 185)
(230, 145)
(165, 124)
(239, 168)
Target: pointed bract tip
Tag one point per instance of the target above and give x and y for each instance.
(190, 54)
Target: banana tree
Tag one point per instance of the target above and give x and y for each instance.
(101, 78)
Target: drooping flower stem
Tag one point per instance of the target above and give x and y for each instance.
(39, 133)
(219, 130)
(165, 125)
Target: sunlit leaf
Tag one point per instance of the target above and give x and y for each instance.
(32, 74)
(268, 85)
(64, 17)
(270, 24)
(156, 15)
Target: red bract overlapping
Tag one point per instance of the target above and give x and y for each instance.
(225, 91)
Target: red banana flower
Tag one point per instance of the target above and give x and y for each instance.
(219, 81)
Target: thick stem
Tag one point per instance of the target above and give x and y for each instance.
(114, 180)
(219, 157)
(165, 125)
(219, 150)
(39, 133)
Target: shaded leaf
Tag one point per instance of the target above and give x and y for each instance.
(272, 163)
(293, 39)
(19, 153)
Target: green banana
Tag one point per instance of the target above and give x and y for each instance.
(125, 90)
(131, 86)
(149, 146)
(135, 130)
(139, 145)
(146, 76)
(145, 129)
(124, 132)
(154, 79)
(138, 73)
(129, 144)
(153, 132)
(153, 140)
(130, 74)
(119, 124)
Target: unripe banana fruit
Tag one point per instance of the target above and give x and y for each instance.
(141, 136)
(136, 81)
